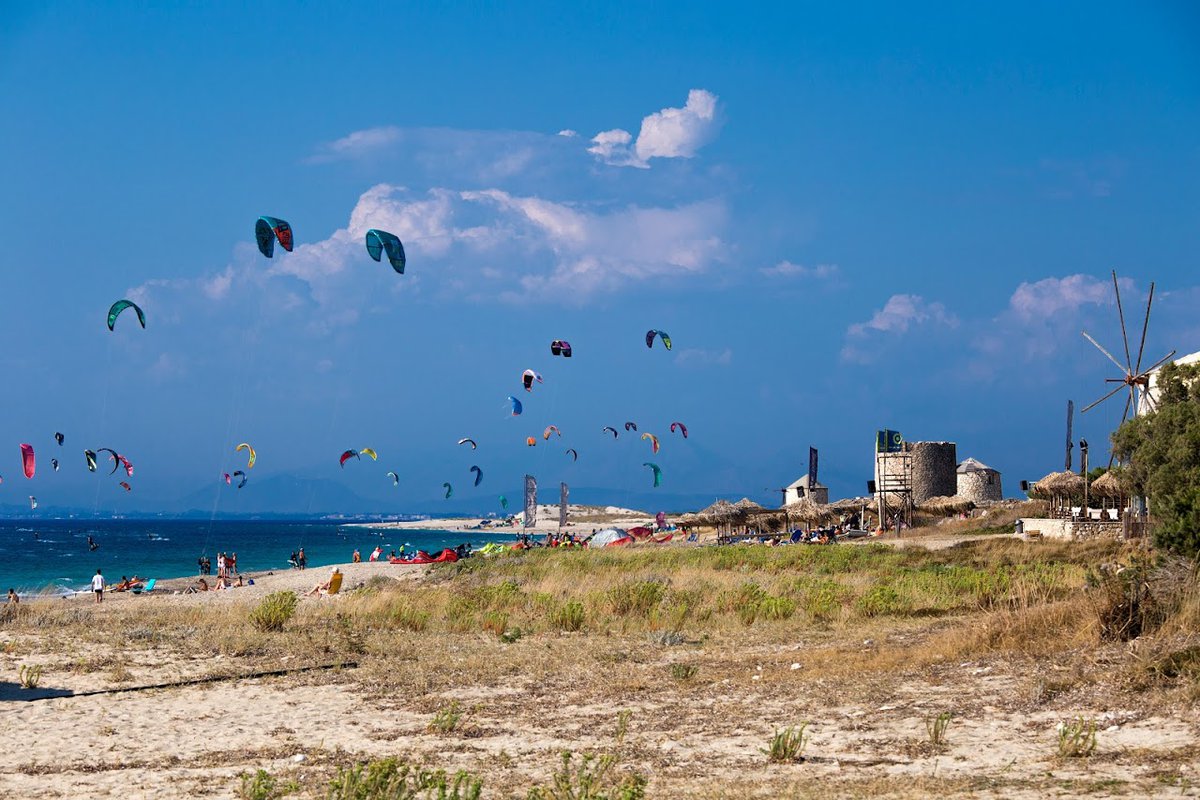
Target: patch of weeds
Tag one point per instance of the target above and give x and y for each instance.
(514, 635)
(1179, 664)
(120, 673)
(495, 622)
(937, 727)
(883, 600)
(635, 597)
(1077, 738)
(671, 638)
(777, 608)
(683, 672)
(262, 785)
(460, 614)
(568, 617)
(29, 676)
(446, 720)
(787, 745)
(409, 617)
(592, 778)
(388, 779)
(274, 611)
(624, 717)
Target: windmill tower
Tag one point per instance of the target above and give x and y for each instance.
(1134, 379)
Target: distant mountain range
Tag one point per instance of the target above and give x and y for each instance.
(293, 496)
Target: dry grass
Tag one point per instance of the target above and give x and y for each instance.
(717, 648)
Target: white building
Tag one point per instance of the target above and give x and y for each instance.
(1148, 400)
(800, 489)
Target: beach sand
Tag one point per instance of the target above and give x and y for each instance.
(523, 703)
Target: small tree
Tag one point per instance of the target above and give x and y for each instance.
(1163, 452)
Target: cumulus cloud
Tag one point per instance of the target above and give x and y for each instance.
(669, 133)
(483, 245)
(358, 144)
(901, 313)
(786, 269)
(1050, 296)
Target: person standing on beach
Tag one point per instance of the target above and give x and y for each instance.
(300, 559)
(98, 586)
(12, 597)
(232, 563)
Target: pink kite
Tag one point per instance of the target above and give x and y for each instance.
(28, 460)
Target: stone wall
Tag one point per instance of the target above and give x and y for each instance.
(1069, 529)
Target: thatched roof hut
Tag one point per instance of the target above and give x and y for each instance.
(851, 504)
(746, 504)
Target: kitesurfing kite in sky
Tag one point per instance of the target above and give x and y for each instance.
(268, 230)
(380, 242)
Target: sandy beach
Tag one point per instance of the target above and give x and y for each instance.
(480, 667)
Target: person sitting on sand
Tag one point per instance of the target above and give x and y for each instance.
(321, 588)
(202, 585)
(239, 580)
(222, 583)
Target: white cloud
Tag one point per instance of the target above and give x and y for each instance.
(695, 357)
(901, 312)
(358, 144)
(1050, 296)
(786, 269)
(612, 147)
(669, 133)
(568, 133)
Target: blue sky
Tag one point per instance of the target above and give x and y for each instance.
(845, 218)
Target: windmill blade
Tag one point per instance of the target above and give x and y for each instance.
(1128, 403)
(1145, 327)
(1158, 363)
(1087, 336)
(1121, 314)
(1102, 399)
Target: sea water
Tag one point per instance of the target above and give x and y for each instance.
(54, 555)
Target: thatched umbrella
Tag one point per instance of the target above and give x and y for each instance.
(807, 510)
(947, 505)
(1060, 488)
(746, 504)
(1113, 485)
(719, 513)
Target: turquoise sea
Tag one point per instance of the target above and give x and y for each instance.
(54, 555)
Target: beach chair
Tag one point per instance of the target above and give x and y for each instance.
(147, 589)
(335, 583)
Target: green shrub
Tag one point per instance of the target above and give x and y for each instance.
(683, 672)
(388, 779)
(29, 675)
(635, 597)
(1077, 738)
(883, 600)
(777, 608)
(261, 785)
(568, 617)
(593, 778)
(787, 746)
(937, 727)
(274, 611)
(446, 720)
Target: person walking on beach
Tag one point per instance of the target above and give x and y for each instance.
(98, 586)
